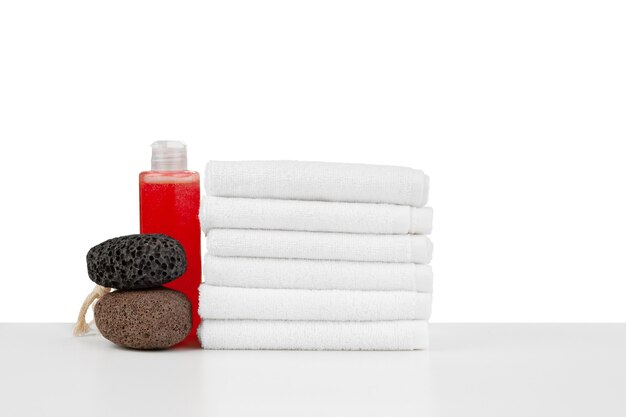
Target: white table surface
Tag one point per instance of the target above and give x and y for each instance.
(471, 370)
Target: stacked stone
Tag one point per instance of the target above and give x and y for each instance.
(141, 313)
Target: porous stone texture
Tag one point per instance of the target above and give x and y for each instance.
(136, 262)
(156, 318)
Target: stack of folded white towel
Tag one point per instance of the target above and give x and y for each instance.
(313, 255)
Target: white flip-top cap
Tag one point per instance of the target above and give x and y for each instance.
(169, 155)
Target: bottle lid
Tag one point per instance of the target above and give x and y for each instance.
(169, 155)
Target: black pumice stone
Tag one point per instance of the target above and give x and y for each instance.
(136, 262)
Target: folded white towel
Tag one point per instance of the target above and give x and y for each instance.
(316, 274)
(331, 305)
(313, 216)
(319, 245)
(314, 335)
(321, 181)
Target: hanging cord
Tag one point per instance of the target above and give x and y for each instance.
(81, 327)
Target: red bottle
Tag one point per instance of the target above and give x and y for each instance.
(169, 202)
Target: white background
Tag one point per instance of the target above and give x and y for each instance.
(516, 109)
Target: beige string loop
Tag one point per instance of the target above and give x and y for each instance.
(82, 327)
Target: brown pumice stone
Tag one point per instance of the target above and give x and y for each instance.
(155, 318)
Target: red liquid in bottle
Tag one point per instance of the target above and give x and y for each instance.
(169, 202)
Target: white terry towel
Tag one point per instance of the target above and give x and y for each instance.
(314, 335)
(313, 216)
(331, 305)
(319, 245)
(321, 181)
(316, 274)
